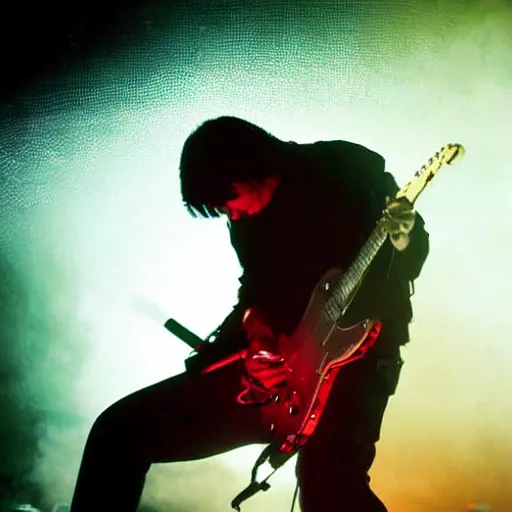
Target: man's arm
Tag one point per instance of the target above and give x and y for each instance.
(226, 339)
(409, 261)
(362, 172)
(230, 328)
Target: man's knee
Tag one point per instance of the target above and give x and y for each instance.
(114, 426)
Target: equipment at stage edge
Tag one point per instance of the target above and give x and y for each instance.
(478, 507)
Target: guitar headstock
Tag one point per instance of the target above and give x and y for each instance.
(447, 155)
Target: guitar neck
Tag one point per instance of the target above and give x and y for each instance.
(345, 288)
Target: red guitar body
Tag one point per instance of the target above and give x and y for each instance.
(314, 353)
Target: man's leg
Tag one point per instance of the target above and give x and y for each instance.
(333, 466)
(183, 418)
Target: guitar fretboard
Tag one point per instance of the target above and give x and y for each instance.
(344, 289)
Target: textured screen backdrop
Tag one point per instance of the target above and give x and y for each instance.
(96, 250)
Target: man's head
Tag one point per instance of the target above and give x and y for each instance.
(229, 160)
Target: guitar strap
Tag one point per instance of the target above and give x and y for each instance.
(276, 459)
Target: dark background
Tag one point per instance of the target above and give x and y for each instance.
(40, 37)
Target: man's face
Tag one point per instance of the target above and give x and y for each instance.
(246, 202)
(250, 198)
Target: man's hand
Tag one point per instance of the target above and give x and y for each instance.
(399, 218)
(263, 361)
(266, 366)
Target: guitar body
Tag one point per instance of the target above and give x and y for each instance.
(314, 353)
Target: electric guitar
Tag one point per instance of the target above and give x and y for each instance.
(322, 342)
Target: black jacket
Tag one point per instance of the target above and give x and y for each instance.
(323, 210)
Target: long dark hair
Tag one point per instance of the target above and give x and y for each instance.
(222, 151)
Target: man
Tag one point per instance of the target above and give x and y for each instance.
(294, 210)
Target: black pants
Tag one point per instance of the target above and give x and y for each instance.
(192, 417)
